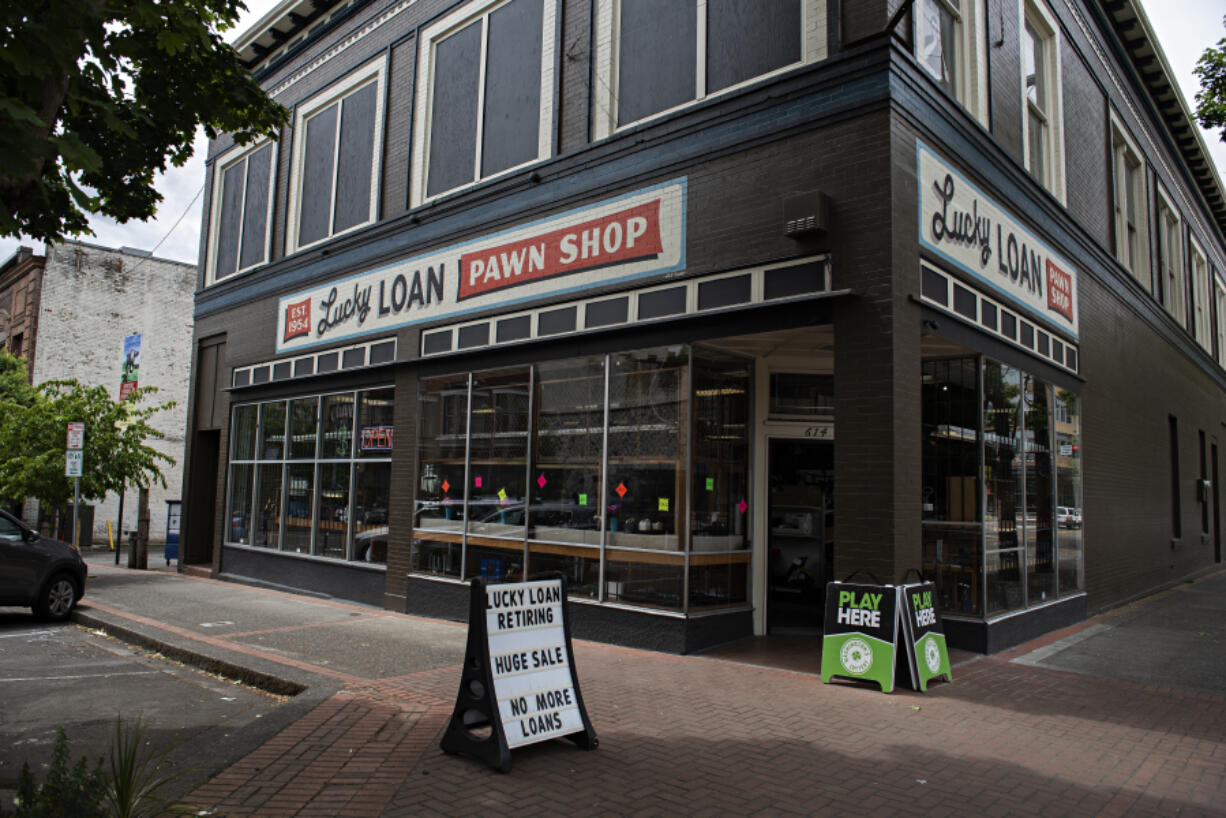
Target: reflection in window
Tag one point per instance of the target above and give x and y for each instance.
(938, 41)
(1002, 476)
(1038, 530)
(950, 494)
(562, 516)
(293, 492)
(801, 394)
(1070, 566)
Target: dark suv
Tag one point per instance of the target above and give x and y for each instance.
(47, 575)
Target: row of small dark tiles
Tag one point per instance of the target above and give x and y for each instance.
(731, 291)
(934, 286)
(381, 352)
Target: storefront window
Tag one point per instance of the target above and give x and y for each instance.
(1038, 530)
(600, 477)
(1003, 486)
(1070, 565)
(295, 493)
(800, 394)
(952, 525)
(442, 440)
(719, 520)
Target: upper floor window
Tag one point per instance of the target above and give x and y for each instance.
(1128, 191)
(1201, 328)
(1170, 259)
(947, 36)
(653, 56)
(485, 94)
(1042, 125)
(337, 142)
(1219, 298)
(242, 210)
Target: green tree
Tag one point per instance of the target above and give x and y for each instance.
(14, 382)
(33, 439)
(97, 96)
(1211, 98)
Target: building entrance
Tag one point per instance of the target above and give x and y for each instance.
(800, 549)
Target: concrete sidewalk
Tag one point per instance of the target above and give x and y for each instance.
(710, 734)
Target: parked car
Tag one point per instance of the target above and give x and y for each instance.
(1068, 517)
(43, 574)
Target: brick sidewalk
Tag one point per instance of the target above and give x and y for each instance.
(694, 735)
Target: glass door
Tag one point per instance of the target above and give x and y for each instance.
(800, 548)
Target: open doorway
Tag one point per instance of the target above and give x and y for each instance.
(800, 546)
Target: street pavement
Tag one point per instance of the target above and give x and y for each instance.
(1122, 715)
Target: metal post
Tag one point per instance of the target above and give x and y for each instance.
(123, 489)
(76, 511)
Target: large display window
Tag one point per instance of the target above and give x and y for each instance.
(1001, 498)
(304, 478)
(627, 472)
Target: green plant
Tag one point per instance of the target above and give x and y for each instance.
(130, 786)
(135, 782)
(67, 792)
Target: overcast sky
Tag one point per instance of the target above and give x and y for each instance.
(1184, 28)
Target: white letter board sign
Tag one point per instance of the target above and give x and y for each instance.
(518, 685)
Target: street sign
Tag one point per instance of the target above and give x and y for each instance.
(76, 436)
(74, 460)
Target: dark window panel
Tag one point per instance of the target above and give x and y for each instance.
(656, 61)
(354, 357)
(724, 292)
(357, 151)
(281, 371)
(229, 219)
(478, 335)
(436, 342)
(304, 367)
(964, 302)
(255, 211)
(327, 362)
(512, 86)
(796, 280)
(1057, 351)
(1070, 358)
(382, 353)
(604, 313)
(988, 315)
(317, 165)
(1044, 341)
(259, 374)
(1008, 325)
(660, 303)
(453, 118)
(242, 377)
(514, 329)
(935, 286)
(1027, 335)
(748, 38)
(555, 321)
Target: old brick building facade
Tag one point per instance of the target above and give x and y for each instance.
(707, 303)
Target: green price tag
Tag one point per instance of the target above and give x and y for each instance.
(583, 499)
(663, 504)
(710, 484)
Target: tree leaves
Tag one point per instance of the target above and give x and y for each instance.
(1211, 98)
(101, 95)
(33, 439)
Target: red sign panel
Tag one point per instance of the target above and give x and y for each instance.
(626, 235)
(1059, 291)
(377, 439)
(297, 319)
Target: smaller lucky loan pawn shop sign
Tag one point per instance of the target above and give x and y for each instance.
(518, 686)
(860, 639)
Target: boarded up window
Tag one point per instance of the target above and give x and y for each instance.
(486, 96)
(242, 218)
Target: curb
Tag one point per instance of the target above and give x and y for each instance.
(254, 678)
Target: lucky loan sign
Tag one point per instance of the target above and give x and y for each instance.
(518, 678)
(530, 662)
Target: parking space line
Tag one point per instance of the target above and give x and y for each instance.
(81, 676)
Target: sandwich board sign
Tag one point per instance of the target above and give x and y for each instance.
(518, 686)
(860, 639)
(927, 654)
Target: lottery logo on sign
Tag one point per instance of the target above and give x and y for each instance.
(932, 655)
(856, 656)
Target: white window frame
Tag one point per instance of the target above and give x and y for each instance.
(1124, 152)
(375, 69)
(1219, 298)
(221, 164)
(1044, 23)
(971, 74)
(1198, 263)
(1170, 249)
(425, 93)
(604, 92)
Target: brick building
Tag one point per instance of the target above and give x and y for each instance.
(21, 281)
(706, 303)
(82, 302)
